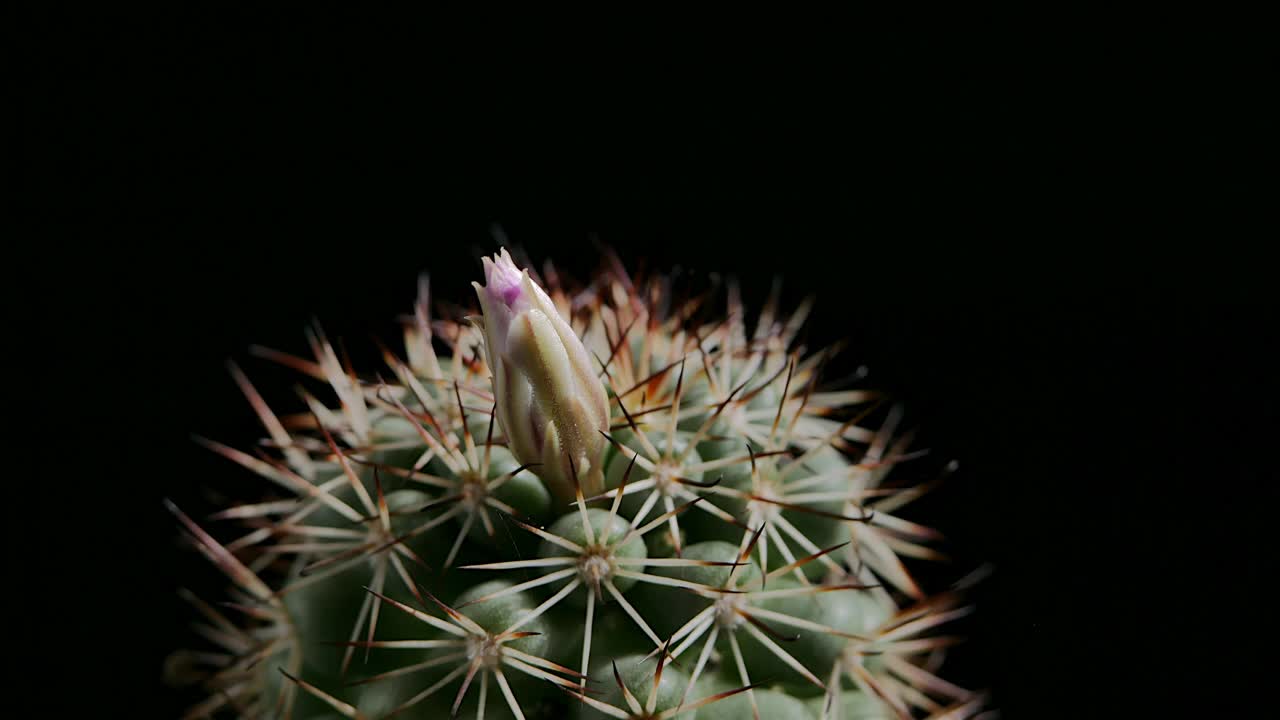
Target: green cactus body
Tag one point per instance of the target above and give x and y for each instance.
(587, 506)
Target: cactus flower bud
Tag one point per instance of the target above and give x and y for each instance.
(551, 405)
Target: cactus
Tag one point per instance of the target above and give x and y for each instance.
(596, 502)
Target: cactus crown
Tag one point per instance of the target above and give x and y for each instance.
(598, 501)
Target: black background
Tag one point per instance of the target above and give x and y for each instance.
(1047, 243)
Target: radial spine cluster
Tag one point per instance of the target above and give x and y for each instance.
(611, 500)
